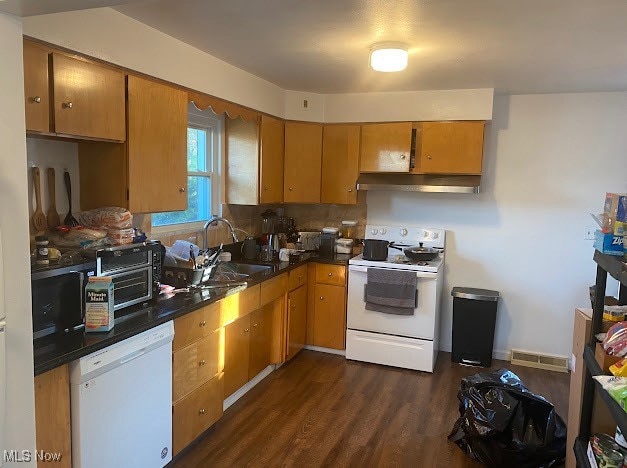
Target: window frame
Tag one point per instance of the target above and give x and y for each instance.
(213, 124)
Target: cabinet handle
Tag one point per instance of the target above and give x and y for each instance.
(202, 324)
(67, 105)
(255, 324)
(290, 189)
(350, 189)
(182, 190)
(246, 330)
(300, 276)
(428, 156)
(202, 363)
(330, 274)
(403, 156)
(293, 306)
(201, 411)
(36, 99)
(321, 298)
(265, 188)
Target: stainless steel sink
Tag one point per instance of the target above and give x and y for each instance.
(231, 271)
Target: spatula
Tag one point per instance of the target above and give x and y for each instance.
(69, 219)
(53, 215)
(39, 218)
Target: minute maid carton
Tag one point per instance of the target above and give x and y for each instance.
(99, 304)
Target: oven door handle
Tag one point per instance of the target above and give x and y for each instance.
(364, 269)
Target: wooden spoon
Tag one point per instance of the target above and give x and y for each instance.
(53, 216)
(39, 218)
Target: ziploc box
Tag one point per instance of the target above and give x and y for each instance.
(99, 304)
(608, 243)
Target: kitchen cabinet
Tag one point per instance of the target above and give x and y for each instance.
(303, 162)
(450, 147)
(296, 321)
(52, 414)
(36, 88)
(197, 412)
(88, 99)
(236, 355)
(148, 173)
(326, 325)
(254, 161)
(386, 147)
(260, 340)
(340, 164)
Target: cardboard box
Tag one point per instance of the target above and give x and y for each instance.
(608, 243)
(601, 419)
(605, 360)
(99, 313)
(615, 213)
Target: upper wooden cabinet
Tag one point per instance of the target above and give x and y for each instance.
(36, 88)
(340, 164)
(254, 161)
(271, 160)
(303, 162)
(386, 147)
(450, 147)
(88, 99)
(148, 173)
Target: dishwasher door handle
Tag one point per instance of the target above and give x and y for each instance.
(133, 355)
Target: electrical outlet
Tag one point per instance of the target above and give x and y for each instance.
(589, 233)
(305, 104)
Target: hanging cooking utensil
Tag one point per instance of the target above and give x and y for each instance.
(39, 218)
(53, 216)
(69, 220)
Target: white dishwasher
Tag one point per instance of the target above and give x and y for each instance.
(122, 403)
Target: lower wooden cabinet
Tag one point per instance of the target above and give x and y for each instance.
(195, 413)
(260, 340)
(236, 355)
(296, 321)
(52, 414)
(329, 329)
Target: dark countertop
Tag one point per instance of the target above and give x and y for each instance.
(55, 350)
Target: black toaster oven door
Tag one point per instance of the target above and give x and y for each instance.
(57, 304)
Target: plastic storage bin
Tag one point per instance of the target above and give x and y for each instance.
(474, 319)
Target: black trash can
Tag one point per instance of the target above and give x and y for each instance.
(474, 319)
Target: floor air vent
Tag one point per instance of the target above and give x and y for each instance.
(540, 361)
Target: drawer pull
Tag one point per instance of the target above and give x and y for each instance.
(246, 330)
(67, 105)
(202, 324)
(321, 298)
(201, 411)
(202, 363)
(255, 324)
(330, 274)
(36, 99)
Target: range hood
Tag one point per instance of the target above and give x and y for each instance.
(419, 183)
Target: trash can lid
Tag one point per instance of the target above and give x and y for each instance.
(475, 294)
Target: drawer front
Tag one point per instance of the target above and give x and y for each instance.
(331, 274)
(189, 328)
(233, 307)
(298, 277)
(195, 364)
(273, 289)
(195, 413)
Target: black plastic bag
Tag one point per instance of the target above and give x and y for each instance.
(503, 424)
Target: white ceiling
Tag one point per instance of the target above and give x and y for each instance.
(42, 7)
(525, 46)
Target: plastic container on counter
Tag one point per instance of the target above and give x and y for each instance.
(349, 229)
(344, 246)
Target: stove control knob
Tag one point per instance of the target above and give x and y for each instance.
(374, 232)
(383, 231)
(403, 232)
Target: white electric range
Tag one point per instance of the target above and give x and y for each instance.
(407, 341)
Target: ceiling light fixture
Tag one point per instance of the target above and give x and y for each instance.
(388, 56)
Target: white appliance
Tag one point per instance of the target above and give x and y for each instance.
(3, 379)
(122, 403)
(407, 341)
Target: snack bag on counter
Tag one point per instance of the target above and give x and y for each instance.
(615, 342)
(619, 369)
(78, 237)
(616, 387)
(109, 218)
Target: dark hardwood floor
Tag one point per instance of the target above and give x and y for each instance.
(322, 410)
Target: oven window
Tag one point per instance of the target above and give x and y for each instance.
(111, 263)
(132, 285)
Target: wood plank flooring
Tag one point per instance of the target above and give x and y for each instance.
(322, 410)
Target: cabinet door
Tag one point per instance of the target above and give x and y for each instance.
(52, 414)
(296, 321)
(340, 164)
(196, 364)
(451, 147)
(260, 340)
(195, 413)
(303, 162)
(242, 161)
(385, 147)
(36, 94)
(157, 147)
(330, 316)
(88, 99)
(236, 355)
(271, 160)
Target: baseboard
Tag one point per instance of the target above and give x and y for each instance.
(340, 352)
(246, 388)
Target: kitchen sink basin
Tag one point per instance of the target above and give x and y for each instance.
(231, 271)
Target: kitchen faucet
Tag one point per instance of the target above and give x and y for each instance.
(215, 219)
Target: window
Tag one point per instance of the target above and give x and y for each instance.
(203, 173)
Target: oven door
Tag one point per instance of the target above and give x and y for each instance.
(132, 287)
(420, 325)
